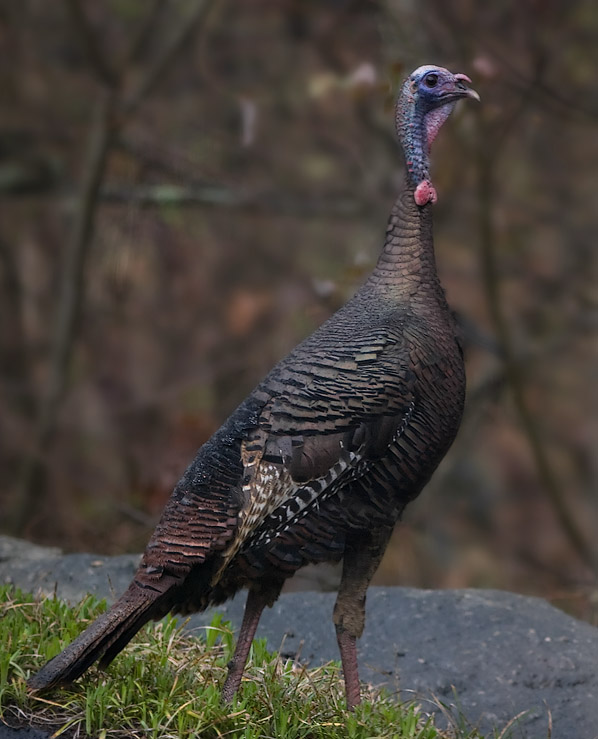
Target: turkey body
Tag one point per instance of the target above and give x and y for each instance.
(317, 464)
(333, 443)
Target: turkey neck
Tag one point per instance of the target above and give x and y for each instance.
(406, 269)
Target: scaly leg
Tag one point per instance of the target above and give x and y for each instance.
(363, 553)
(257, 600)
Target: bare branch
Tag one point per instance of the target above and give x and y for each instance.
(143, 33)
(69, 301)
(104, 130)
(14, 361)
(291, 204)
(92, 50)
(178, 38)
(512, 365)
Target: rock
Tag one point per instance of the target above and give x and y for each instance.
(47, 570)
(7, 732)
(490, 655)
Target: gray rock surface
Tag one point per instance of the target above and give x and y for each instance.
(47, 570)
(490, 655)
(7, 732)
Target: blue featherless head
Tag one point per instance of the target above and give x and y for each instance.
(427, 98)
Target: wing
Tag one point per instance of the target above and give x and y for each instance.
(318, 419)
(201, 516)
(325, 417)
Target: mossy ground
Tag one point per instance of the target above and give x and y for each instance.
(167, 684)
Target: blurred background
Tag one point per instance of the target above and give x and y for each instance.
(190, 187)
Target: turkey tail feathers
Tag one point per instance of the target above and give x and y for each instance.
(103, 639)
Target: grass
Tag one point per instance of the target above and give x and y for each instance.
(167, 684)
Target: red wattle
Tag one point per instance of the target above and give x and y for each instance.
(425, 193)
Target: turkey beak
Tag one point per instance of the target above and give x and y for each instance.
(469, 93)
(462, 90)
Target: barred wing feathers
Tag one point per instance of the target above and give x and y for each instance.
(322, 423)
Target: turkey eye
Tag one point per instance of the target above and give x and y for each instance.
(431, 80)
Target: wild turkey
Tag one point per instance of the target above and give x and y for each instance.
(321, 459)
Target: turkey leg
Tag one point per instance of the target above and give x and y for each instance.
(257, 600)
(362, 557)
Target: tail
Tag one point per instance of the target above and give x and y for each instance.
(106, 636)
